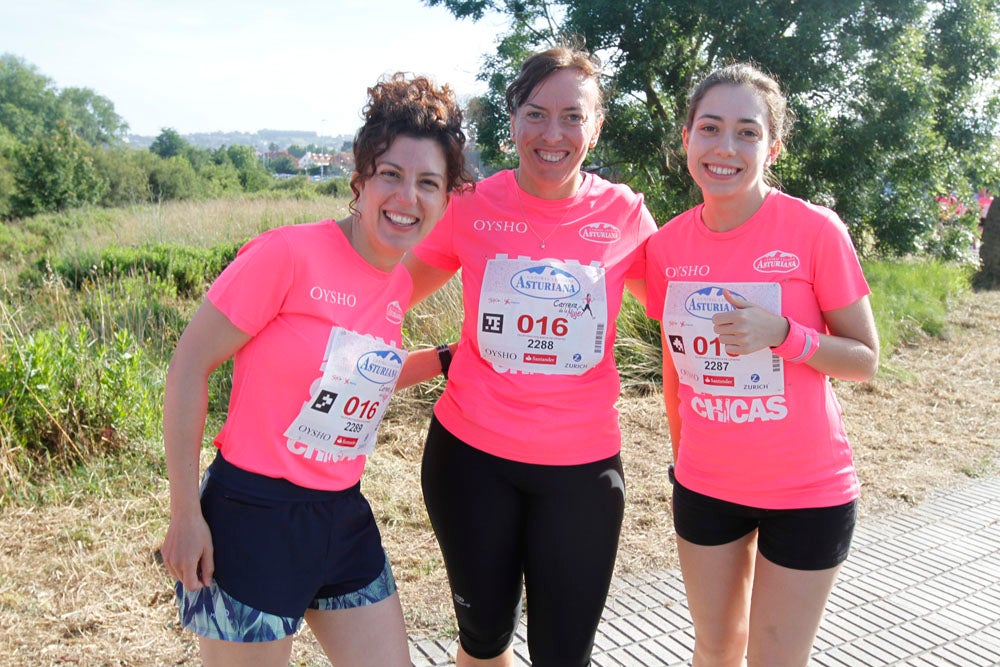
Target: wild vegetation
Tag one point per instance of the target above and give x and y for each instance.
(88, 325)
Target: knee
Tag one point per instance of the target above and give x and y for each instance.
(721, 647)
(484, 646)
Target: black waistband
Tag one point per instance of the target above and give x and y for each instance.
(274, 488)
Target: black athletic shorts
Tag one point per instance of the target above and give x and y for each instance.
(814, 538)
(502, 524)
(279, 546)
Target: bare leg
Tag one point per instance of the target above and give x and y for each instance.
(718, 581)
(370, 635)
(785, 614)
(505, 659)
(218, 653)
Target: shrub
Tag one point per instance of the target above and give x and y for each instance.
(189, 269)
(65, 397)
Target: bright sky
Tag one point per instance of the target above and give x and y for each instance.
(221, 65)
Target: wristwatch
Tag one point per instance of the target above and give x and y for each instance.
(444, 354)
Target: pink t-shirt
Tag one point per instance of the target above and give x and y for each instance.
(748, 445)
(289, 288)
(534, 378)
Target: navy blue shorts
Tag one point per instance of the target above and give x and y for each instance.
(814, 538)
(280, 548)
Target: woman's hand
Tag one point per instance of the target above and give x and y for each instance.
(749, 327)
(187, 551)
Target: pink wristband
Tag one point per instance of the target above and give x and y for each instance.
(799, 345)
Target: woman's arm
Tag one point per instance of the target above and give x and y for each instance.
(848, 352)
(421, 365)
(637, 286)
(426, 279)
(209, 340)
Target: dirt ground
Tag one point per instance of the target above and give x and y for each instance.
(79, 583)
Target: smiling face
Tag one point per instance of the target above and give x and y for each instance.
(729, 147)
(553, 130)
(401, 201)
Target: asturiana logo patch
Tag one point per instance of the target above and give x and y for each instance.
(707, 302)
(776, 261)
(545, 282)
(394, 312)
(600, 232)
(380, 367)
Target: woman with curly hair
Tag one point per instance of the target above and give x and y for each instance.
(311, 313)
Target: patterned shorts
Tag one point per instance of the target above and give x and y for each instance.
(214, 614)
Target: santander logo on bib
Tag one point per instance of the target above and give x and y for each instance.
(776, 261)
(600, 232)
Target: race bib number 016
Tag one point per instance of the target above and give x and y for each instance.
(700, 358)
(346, 404)
(542, 316)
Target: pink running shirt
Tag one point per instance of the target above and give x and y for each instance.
(289, 288)
(534, 378)
(780, 451)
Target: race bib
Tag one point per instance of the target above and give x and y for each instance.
(542, 316)
(700, 358)
(347, 402)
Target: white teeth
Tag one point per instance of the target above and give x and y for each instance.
(721, 171)
(401, 219)
(551, 157)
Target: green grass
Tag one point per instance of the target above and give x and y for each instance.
(93, 301)
(911, 299)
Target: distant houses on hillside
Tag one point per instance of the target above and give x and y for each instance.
(320, 164)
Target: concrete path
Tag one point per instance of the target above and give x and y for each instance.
(920, 588)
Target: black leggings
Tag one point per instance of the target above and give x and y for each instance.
(501, 522)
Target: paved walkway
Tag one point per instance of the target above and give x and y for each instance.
(921, 588)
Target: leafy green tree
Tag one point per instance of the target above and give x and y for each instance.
(253, 175)
(173, 178)
(895, 98)
(92, 117)
(169, 143)
(126, 172)
(219, 180)
(31, 105)
(55, 172)
(8, 148)
(27, 101)
(283, 164)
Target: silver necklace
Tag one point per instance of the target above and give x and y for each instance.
(541, 239)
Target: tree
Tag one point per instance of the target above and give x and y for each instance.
(8, 152)
(169, 144)
(882, 89)
(253, 175)
(55, 172)
(988, 276)
(283, 164)
(173, 178)
(27, 102)
(92, 117)
(126, 172)
(30, 105)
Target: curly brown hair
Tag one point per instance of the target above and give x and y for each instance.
(413, 107)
